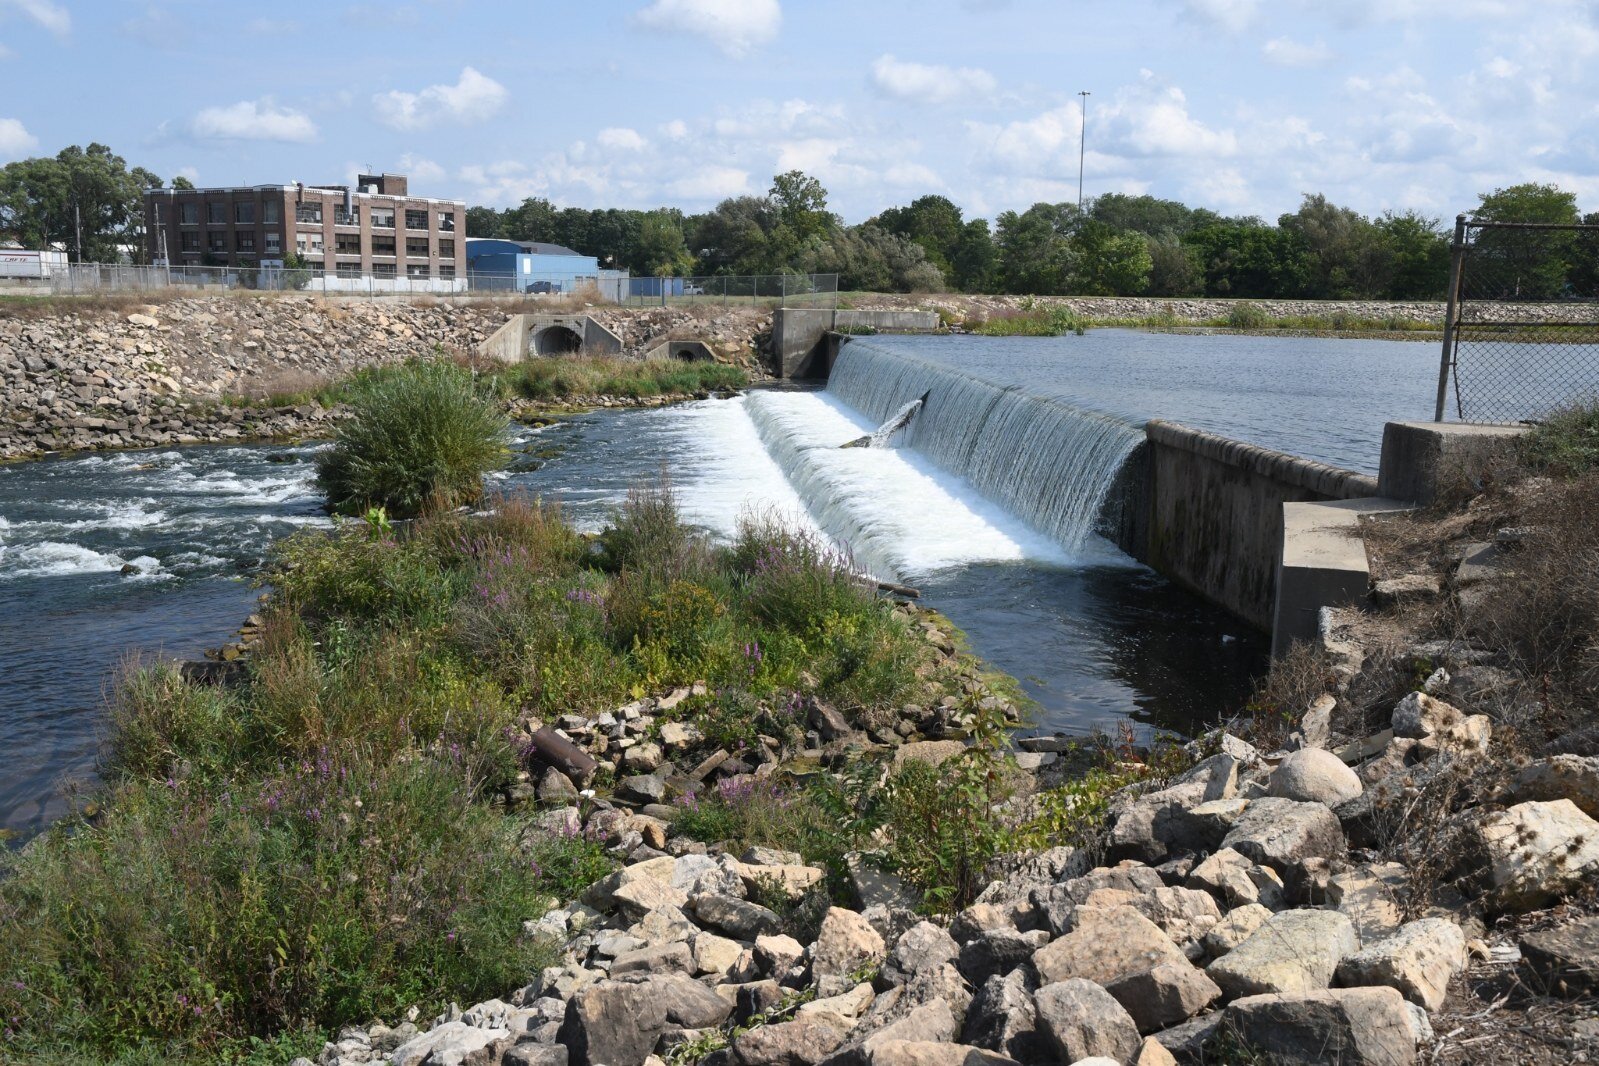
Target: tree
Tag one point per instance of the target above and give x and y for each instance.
(1416, 256)
(661, 250)
(484, 222)
(1244, 258)
(1173, 268)
(1344, 251)
(1524, 264)
(532, 220)
(934, 222)
(974, 264)
(1148, 215)
(1035, 251)
(733, 238)
(85, 199)
(182, 184)
(1107, 262)
(801, 205)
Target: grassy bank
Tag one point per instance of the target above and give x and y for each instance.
(573, 377)
(325, 842)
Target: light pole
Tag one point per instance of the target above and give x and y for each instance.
(1082, 149)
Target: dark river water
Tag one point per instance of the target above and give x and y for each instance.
(1095, 638)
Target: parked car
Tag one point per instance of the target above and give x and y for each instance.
(693, 290)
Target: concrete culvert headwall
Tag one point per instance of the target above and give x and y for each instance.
(556, 340)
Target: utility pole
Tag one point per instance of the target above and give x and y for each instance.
(1082, 149)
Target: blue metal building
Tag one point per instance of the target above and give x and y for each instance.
(528, 266)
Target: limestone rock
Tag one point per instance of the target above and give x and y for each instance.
(846, 943)
(998, 951)
(1080, 1019)
(1348, 1026)
(800, 1042)
(664, 958)
(1106, 945)
(931, 752)
(1370, 895)
(1537, 852)
(1235, 927)
(1315, 775)
(739, 919)
(453, 1041)
(1292, 952)
(1419, 715)
(1278, 832)
(1153, 1053)
(1235, 880)
(1572, 777)
(1002, 1018)
(929, 1053)
(1165, 995)
(1564, 960)
(1419, 960)
(618, 1022)
(919, 948)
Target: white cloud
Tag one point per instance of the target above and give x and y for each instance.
(52, 16)
(711, 183)
(1151, 118)
(473, 98)
(15, 140)
(420, 168)
(928, 84)
(187, 172)
(253, 120)
(1228, 14)
(676, 129)
(621, 139)
(1287, 52)
(916, 176)
(736, 27)
(1030, 144)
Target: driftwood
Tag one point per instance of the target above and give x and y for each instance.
(893, 588)
(552, 749)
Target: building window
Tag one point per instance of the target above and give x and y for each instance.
(216, 214)
(244, 213)
(216, 242)
(382, 245)
(447, 270)
(417, 270)
(311, 213)
(416, 247)
(347, 243)
(189, 213)
(274, 243)
(447, 221)
(191, 242)
(447, 248)
(271, 212)
(416, 220)
(246, 240)
(341, 217)
(316, 243)
(348, 270)
(383, 270)
(381, 217)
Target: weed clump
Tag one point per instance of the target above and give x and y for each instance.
(1564, 444)
(420, 435)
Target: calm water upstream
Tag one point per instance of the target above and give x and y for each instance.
(1095, 638)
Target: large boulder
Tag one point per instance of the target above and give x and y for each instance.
(738, 918)
(1237, 926)
(998, 951)
(1002, 1018)
(1564, 960)
(1107, 944)
(1292, 952)
(1236, 881)
(1165, 995)
(1536, 853)
(931, 1053)
(619, 1022)
(1572, 777)
(846, 943)
(1080, 1019)
(1348, 1026)
(1419, 715)
(451, 1042)
(1314, 775)
(1279, 832)
(1370, 895)
(800, 1042)
(921, 947)
(1419, 960)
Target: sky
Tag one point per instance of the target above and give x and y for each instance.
(1242, 106)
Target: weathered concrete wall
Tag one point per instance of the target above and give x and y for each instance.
(800, 350)
(1207, 512)
(1419, 458)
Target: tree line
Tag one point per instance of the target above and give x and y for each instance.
(89, 201)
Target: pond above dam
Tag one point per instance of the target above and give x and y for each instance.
(1095, 638)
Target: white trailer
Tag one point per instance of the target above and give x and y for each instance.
(25, 263)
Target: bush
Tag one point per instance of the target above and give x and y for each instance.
(569, 377)
(1247, 315)
(420, 436)
(1566, 443)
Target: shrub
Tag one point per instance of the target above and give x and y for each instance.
(1566, 443)
(1247, 315)
(569, 377)
(420, 436)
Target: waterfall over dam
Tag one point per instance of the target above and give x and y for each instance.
(1042, 458)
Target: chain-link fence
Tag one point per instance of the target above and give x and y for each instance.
(1521, 337)
(611, 287)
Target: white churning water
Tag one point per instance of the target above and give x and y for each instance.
(1041, 458)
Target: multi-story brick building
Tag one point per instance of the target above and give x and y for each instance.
(363, 238)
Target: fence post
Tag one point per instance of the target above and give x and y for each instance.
(1457, 257)
(784, 302)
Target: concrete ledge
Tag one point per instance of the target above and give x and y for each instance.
(1418, 457)
(1287, 470)
(1322, 564)
(799, 335)
(527, 334)
(682, 351)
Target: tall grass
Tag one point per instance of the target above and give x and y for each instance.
(1565, 443)
(569, 377)
(420, 435)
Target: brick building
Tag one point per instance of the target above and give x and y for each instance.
(362, 238)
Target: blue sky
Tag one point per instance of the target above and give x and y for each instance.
(1238, 105)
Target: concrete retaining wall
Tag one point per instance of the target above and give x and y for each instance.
(1207, 512)
(532, 335)
(800, 346)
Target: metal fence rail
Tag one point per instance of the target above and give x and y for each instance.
(766, 290)
(1521, 333)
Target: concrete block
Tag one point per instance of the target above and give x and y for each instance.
(1415, 455)
(1323, 564)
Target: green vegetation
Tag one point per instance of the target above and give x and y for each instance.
(1033, 319)
(84, 199)
(569, 377)
(420, 435)
(1566, 443)
(323, 843)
